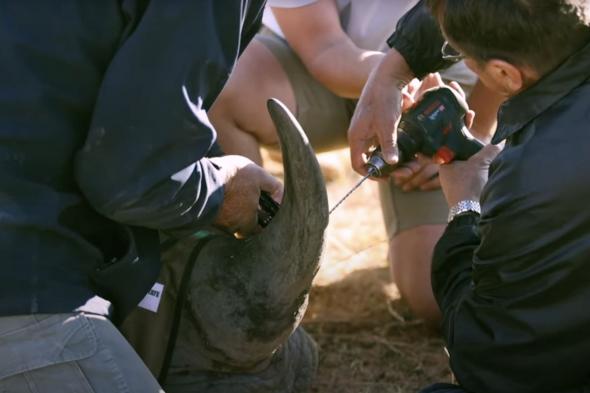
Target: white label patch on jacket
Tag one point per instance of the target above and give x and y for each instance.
(151, 301)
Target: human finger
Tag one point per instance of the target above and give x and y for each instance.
(469, 118)
(424, 175)
(387, 136)
(432, 184)
(413, 86)
(359, 138)
(271, 185)
(405, 172)
(407, 100)
(358, 148)
(457, 87)
(430, 81)
(248, 226)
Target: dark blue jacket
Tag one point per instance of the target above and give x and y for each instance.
(103, 125)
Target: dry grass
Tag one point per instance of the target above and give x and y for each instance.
(368, 340)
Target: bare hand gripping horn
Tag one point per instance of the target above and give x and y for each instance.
(239, 329)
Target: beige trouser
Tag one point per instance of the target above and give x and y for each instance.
(69, 353)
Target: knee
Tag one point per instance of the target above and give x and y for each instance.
(410, 256)
(221, 112)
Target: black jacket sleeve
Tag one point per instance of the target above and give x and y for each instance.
(145, 159)
(482, 334)
(511, 284)
(418, 39)
(453, 259)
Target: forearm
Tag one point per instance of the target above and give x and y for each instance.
(343, 67)
(315, 34)
(151, 171)
(187, 199)
(393, 68)
(453, 257)
(494, 320)
(452, 261)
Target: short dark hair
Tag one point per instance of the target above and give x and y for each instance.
(537, 33)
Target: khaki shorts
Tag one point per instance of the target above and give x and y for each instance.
(325, 117)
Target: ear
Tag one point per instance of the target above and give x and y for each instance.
(507, 77)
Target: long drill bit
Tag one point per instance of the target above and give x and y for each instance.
(352, 190)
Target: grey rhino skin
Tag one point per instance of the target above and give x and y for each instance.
(240, 330)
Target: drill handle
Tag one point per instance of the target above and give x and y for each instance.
(463, 144)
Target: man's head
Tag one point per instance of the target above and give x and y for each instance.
(511, 43)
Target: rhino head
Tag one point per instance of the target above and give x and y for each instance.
(248, 296)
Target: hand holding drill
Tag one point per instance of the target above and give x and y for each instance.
(434, 127)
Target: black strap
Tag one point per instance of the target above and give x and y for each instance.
(180, 301)
(168, 244)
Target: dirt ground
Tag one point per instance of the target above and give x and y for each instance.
(368, 340)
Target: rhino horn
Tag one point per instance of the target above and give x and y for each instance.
(248, 295)
(297, 230)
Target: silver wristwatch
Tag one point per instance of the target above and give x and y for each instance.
(464, 206)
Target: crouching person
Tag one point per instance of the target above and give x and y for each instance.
(512, 278)
(105, 142)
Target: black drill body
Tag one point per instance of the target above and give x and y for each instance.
(434, 127)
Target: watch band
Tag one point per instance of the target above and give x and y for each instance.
(464, 206)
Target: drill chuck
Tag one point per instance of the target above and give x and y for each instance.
(377, 166)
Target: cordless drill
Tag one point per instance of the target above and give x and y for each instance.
(435, 127)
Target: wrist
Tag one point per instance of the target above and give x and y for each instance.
(462, 207)
(395, 68)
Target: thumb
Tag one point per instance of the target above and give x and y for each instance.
(388, 144)
(357, 149)
(469, 119)
(271, 185)
(389, 151)
(487, 154)
(407, 101)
